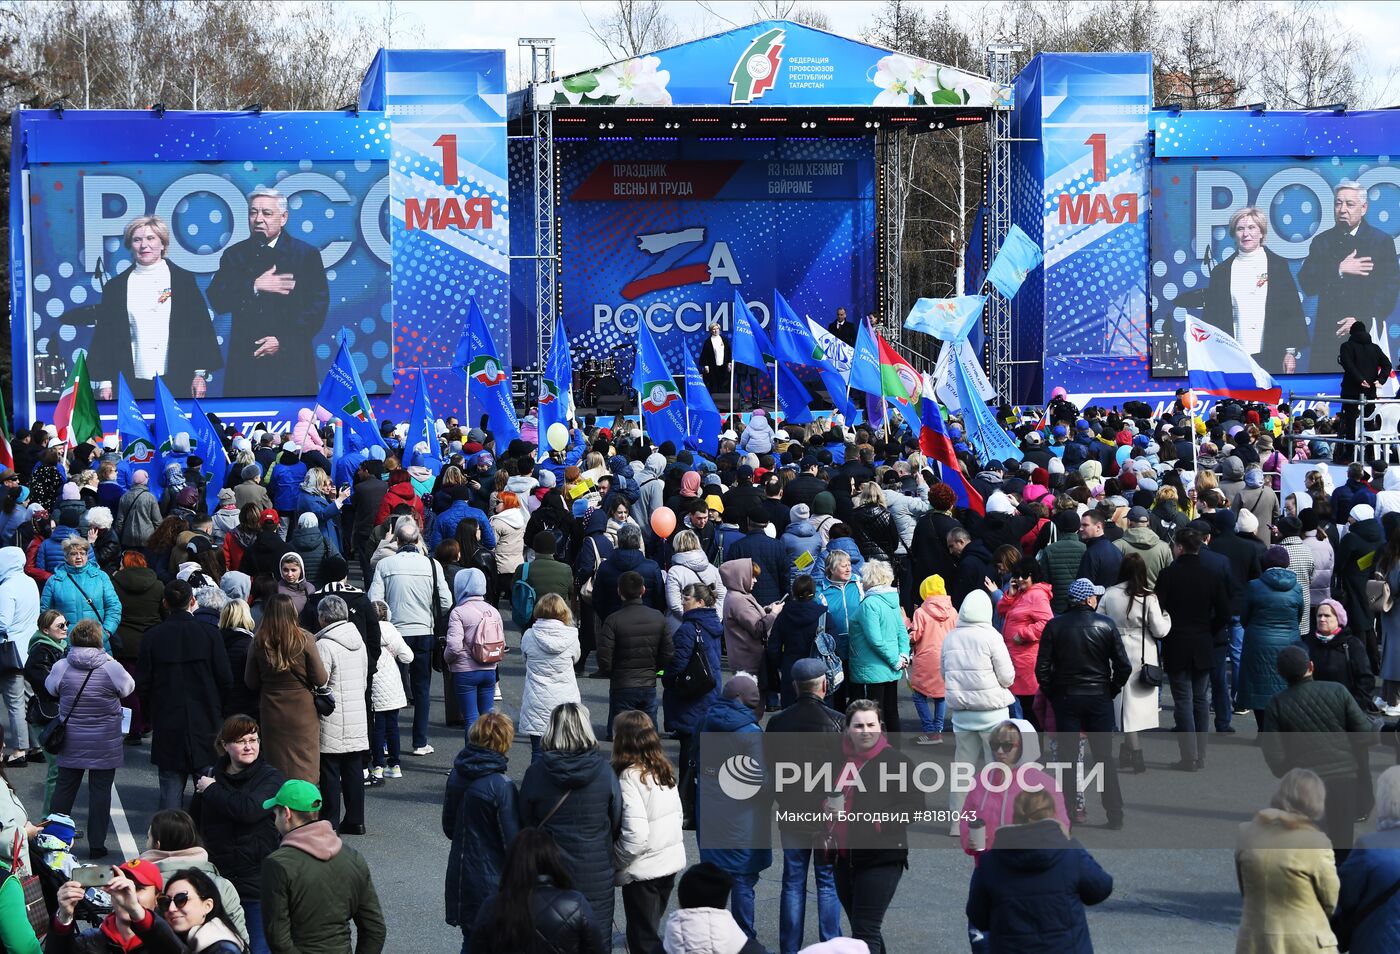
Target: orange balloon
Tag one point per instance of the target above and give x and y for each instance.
(1188, 400)
(663, 521)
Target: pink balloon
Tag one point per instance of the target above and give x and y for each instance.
(663, 521)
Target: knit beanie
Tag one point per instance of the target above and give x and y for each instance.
(932, 586)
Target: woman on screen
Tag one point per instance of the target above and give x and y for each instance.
(1253, 296)
(153, 319)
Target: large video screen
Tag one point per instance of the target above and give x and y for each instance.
(1283, 254)
(226, 279)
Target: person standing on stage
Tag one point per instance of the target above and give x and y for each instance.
(1364, 368)
(275, 288)
(714, 362)
(1351, 268)
(843, 330)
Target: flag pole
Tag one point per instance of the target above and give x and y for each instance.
(733, 368)
(775, 391)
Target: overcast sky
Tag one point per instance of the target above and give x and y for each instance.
(496, 24)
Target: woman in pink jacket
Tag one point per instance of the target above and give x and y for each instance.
(1025, 609)
(473, 681)
(932, 621)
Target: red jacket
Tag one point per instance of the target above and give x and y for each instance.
(400, 493)
(1024, 615)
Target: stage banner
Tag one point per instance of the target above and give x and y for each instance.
(666, 233)
(1277, 229)
(1080, 193)
(775, 63)
(449, 204)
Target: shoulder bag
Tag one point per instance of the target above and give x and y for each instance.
(557, 805)
(1148, 675)
(10, 663)
(54, 734)
(321, 696)
(697, 678)
(585, 592)
(439, 654)
(34, 907)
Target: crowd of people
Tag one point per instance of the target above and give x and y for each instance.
(264, 638)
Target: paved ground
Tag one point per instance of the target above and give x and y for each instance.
(1178, 895)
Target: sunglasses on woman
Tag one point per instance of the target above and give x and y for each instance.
(179, 900)
(1005, 746)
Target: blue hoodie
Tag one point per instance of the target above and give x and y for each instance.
(723, 820)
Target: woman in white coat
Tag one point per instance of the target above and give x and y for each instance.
(650, 850)
(345, 732)
(1141, 622)
(550, 647)
(508, 523)
(386, 698)
(690, 565)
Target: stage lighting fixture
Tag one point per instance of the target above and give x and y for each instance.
(877, 124)
(57, 107)
(610, 125)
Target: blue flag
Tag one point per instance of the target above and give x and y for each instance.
(170, 420)
(557, 390)
(947, 319)
(796, 343)
(865, 362)
(701, 415)
(422, 428)
(343, 395)
(751, 344)
(138, 446)
(211, 452)
(660, 400)
(984, 434)
(1016, 258)
(794, 399)
(488, 383)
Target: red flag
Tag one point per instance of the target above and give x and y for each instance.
(935, 444)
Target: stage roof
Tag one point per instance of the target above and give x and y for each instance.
(772, 63)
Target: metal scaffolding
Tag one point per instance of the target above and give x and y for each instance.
(997, 321)
(546, 247)
(890, 208)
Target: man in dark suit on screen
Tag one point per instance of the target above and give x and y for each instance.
(1352, 270)
(274, 286)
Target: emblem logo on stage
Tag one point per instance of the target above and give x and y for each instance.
(659, 394)
(486, 370)
(757, 69)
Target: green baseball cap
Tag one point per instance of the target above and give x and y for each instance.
(298, 795)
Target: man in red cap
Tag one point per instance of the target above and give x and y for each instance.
(132, 926)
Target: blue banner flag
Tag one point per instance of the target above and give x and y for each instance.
(865, 362)
(794, 400)
(170, 420)
(488, 383)
(660, 400)
(556, 398)
(796, 344)
(343, 396)
(138, 446)
(701, 415)
(210, 450)
(751, 344)
(1015, 259)
(947, 319)
(422, 428)
(984, 434)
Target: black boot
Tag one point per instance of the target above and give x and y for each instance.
(1125, 757)
(1139, 763)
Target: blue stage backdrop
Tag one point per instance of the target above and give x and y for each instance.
(1080, 190)
(1292, 168)
(665, 232)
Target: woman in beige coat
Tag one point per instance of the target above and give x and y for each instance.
(283, 667)
(1287, 873)
(1141, 622)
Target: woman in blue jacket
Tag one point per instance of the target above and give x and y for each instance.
(1273, 609)
(700, 627)
(879, 644)
(481, 814)
(319, 496)
(79, 590)
(1371, 870)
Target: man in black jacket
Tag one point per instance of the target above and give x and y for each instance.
(1195, 595)
(182, 676)
(1241, 553)
(972, 564)
(1365, 367)
(634, 645)
(805, 486)
(809, 714)
(769, 553)
(1081, 666)
(274, 287)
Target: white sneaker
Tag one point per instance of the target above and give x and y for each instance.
(499, 697)
(423, 750)
(394, 772)
(376, 772)
(1390, 712)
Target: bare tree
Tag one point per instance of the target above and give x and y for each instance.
(804, 13)
(634, 27)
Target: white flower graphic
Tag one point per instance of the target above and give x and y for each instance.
(894, 75)
(549, 92)
(634, 82)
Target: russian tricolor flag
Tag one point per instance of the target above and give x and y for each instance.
(935, 444)
(1216, 364)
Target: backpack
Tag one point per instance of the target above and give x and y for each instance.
(487, 642)
(824, 648)
(522, 599)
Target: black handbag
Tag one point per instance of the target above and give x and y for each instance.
(321, 698)
(10, 663)
(1152, 676)
(438, 659)
(56, 732)
(697, 678)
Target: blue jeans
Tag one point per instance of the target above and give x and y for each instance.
(384, 734)
(1222, 688)
(172, 788)
(793, 906)
(534, 749)
(741, 901)
(420, 678)
(476, 691)
(257, 941)
(1236, 650)
(930, 722)
(641, 699)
